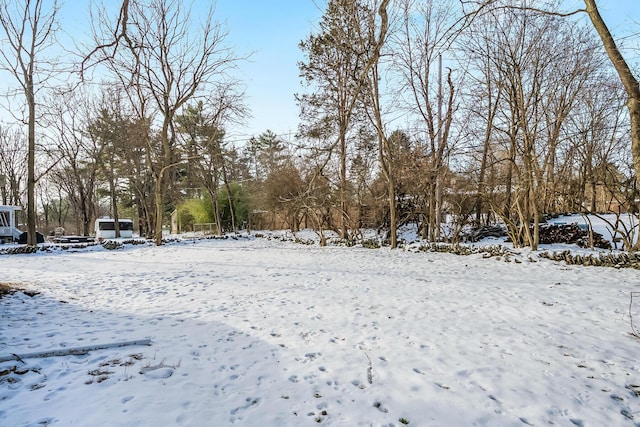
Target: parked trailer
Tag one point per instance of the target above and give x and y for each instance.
(9, 231)
(105, 228)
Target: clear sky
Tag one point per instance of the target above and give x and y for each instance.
(271, 29)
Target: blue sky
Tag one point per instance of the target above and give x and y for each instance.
(271, 29)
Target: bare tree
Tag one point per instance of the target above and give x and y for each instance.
(165, 62)
(484, 96)
(284, 191)
(540, 66)
(109, 128)
(426, 31)
(55, 209)
(629, 80)
(28, 30)
(370, 22)
(79, 154)
(12, 166)
(573, 72)
(595, 142)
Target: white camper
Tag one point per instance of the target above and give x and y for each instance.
(105, 228)
(8, 225)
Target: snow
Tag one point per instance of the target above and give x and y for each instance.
(261, 332)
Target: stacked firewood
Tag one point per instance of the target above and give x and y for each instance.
(571, 233)
(483, 232)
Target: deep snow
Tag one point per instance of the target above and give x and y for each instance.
(258, 332)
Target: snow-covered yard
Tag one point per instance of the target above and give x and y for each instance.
(258, 332)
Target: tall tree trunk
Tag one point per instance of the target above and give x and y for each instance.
(509, 179)
(630, 83)
(483, 165)
(594, 199)
(492, 110)
(31, 165)
(84, 211)
(158, 194)
(343, 182)
(232, 209)
(160, 178)
(393, 214)
(213, 194)
(225, 181)
(432, 206)
(114, 204)
(213, 191)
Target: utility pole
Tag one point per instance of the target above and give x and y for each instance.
(438, 166)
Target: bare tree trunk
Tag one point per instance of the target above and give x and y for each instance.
(213, 194)
(386, 160)
(28, 32)
(432, 206)
(594, 198)
(343, 183)
(481, 48)
(31, 164)
(393, 214)
(225, 181)
(158, 194)
(485, 150)
(509, 179)
(630, 83)
(230, 197)
(159, 183)
(114, 204)
(168, 65)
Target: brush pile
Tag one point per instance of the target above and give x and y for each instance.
(572, 234)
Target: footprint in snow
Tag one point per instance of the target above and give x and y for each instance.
(358, 384)
(250, 402)
(380, 407)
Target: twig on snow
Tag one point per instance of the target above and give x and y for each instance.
(369, 370)
(634, 331)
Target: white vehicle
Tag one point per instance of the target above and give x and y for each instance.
(105, 228)
(8, 226)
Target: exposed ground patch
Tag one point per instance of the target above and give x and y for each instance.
(8, 288)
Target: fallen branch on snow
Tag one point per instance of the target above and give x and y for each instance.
(634, 331)
(75, 351)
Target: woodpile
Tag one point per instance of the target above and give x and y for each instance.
(483, 232)
(571, 234)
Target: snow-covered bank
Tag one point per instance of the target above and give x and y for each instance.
(259, 332)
